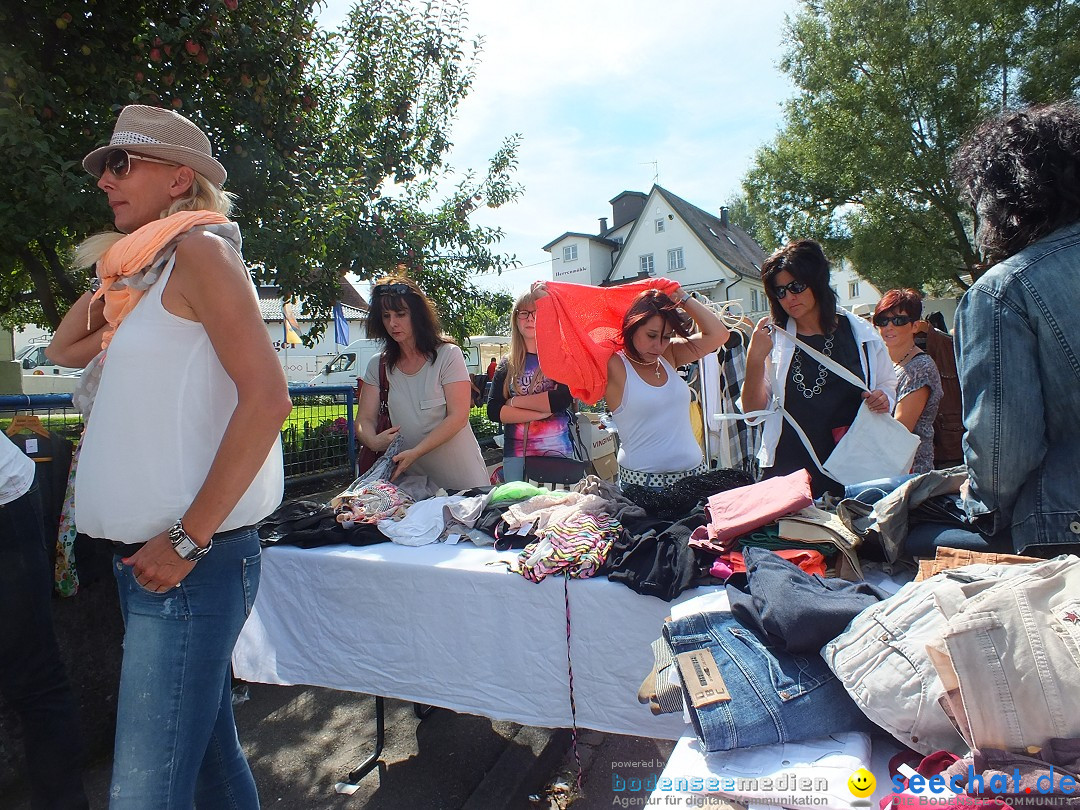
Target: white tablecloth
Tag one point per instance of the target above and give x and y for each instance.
(437, 625)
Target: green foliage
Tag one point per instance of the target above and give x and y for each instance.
(750, 220)
(482, 427)
(887, 89)
(489, 315)
(335, 141)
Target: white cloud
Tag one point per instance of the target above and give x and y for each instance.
(601, 90)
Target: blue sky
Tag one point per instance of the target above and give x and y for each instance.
(600, 91)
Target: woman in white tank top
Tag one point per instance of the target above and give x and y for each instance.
(649, 402)
(182, 452)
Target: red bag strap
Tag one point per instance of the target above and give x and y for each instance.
(384, 385)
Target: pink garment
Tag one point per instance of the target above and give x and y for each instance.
(578, 327)
(739, 511)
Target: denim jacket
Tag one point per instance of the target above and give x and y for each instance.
(1018, 353)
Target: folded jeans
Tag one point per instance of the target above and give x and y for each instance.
(775, 696)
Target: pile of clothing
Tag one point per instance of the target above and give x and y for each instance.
(972, 667)
(658, 543)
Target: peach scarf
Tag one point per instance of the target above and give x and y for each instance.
(135, 253)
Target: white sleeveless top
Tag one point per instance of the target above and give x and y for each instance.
(16, 471)
(161, 410)
(654, 424)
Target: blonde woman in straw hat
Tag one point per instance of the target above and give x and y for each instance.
(184, 400)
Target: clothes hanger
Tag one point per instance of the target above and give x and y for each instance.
(26, 421)
(732, 315)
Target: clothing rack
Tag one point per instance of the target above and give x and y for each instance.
(731, 314)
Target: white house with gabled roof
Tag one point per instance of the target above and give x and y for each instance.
(660, 234)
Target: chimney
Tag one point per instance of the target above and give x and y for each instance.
(627, 207)
(724, 216)
(603, 226)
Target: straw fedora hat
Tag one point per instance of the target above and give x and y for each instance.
(160, 133)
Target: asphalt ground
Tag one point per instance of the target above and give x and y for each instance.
(302, 741)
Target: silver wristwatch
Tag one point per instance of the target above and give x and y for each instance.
(184, 546)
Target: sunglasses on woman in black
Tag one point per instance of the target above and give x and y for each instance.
(793, 287)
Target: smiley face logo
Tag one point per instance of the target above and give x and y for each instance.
(861, 783)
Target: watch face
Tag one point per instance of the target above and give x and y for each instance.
(185, 547)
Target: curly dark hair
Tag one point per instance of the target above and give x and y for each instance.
(644, 307)
(1021, 173)
(387, 295)
(806, 261)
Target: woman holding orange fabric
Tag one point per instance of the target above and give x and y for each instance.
(648, 400)
(191, 374)
(662, 328)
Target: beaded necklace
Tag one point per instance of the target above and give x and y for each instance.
(640, 363)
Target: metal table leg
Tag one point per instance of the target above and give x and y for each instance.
(422, 710)
(351, 782)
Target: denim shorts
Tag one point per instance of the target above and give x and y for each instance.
(776, 697)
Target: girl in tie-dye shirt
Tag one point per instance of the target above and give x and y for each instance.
(526, 402)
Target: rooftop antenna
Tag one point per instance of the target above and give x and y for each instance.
(656, 170)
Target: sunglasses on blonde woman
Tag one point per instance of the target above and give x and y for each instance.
(118, 162)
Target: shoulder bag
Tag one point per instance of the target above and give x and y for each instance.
(550, 469)
(367, 457)
(875, 446)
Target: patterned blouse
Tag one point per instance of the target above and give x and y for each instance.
(920, 370)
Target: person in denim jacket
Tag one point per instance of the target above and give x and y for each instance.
(1018, 328)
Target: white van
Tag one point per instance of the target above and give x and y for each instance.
(34, 362)
(351, 363)
(347, 366)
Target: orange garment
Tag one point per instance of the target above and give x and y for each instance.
(578, 328)
(812, 562)
(134, 253)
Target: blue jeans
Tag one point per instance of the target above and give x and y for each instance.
(775, 696)
(923, 540)
(513, 468)
(176, 743)
(32, 676)
(870, 492)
